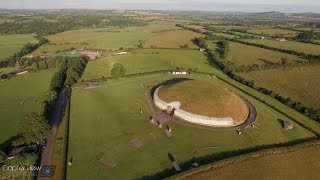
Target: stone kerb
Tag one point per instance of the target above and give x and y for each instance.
(190, 117)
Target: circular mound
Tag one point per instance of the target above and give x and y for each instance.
(206, 99)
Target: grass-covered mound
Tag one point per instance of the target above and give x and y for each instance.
(202, 98)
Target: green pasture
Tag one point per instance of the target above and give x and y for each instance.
(301, 84)
(288, 45)
(148, 60)
(21, 95)
(10, 44)
(242, 54)
(105, 119)
(273, 31)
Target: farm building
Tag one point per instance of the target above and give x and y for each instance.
(91, 54)
(178, 72)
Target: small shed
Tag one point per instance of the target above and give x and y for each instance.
(287, 125)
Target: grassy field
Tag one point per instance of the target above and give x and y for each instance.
(242, 54)
(273, 31)
(172, 39)
(105, 119)
(21, 95)
(298, 164)
(202, 98)
(9, 44)
(288, 45)
(301, 84)
(148, 60)
(104, 39)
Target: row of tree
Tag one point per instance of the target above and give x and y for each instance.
(292, 52)
(26, 49)
(52, 25)
(298, 106)
(34, 127)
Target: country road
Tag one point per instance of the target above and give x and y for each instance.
(54, 120)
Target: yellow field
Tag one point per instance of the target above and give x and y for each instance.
(172, 39)
(298, 164)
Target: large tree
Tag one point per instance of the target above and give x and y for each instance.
(118, 70)
(33, 128)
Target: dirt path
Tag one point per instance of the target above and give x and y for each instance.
(146, 94)
(55, 119)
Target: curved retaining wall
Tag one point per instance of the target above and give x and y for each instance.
(190, 117)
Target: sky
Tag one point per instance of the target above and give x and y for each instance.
(205, 5)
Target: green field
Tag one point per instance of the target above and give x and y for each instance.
(9, 44)
(172, 39)
(21, 95)
(148, 60)
(273, 31)
(288, 45)
(303, 163)
(103, 38)
(105, 119)
(242, 54)
(7, 70)
(301, 84)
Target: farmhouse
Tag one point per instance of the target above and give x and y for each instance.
(91, 54)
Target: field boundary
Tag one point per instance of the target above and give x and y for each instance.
(245, 157)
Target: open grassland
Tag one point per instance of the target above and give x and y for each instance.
(301, 84)
(242, 54)
(105, 119)
(303, 163)
(288, 45)
(273, 31)
(203, 98)
(308, 29)
(21, 95)
(102, 39)
(172, 39)
(148, 60)
(10, 44)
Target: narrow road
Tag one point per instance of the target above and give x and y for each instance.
(55, 119)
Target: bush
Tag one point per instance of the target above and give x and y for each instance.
(118, 70)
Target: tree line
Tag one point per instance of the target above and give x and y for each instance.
(298, 106)
(34, 127)
(56, 24)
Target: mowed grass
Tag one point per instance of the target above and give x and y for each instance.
(297, 164)
(148, 60)
(242, 54)
(172, 39)
(273, 31)
(288, 45)
(102, 39)
(300, 84)
(105, 119)
(10, 44)
(21, 95)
